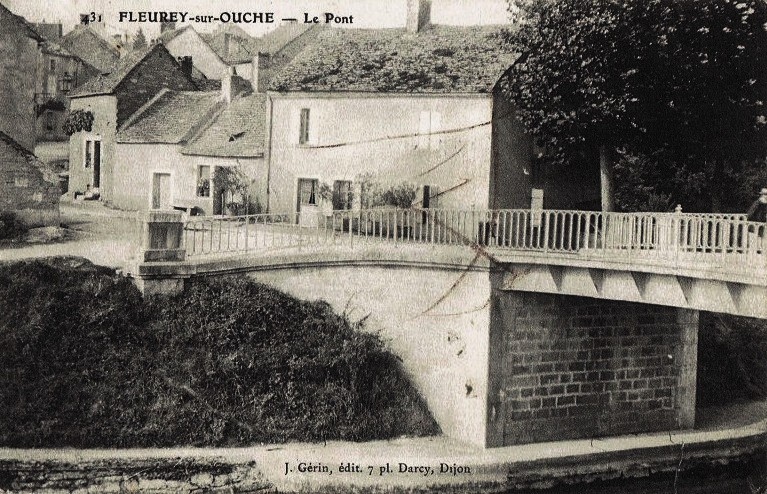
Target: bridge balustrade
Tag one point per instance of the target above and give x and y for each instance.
(727, 239)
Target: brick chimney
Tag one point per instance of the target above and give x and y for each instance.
(418, 15)
(186, 65)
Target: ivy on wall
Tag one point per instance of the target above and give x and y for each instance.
(77, 121)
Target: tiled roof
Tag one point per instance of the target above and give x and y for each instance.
(240, 47)
(239, 131)
(171, 34)
(91, 47)
(441, 59)
(275, 40)
(51, 48)
(171, 117)
(25, 26)
(107, 83)
(49, 173)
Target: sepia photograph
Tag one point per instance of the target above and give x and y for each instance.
(383, 246)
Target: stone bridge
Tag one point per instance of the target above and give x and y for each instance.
(516, 325)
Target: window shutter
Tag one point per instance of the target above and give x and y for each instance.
(303, 136)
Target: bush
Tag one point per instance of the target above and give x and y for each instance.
(732, 359)
(11, 226)
(87, 363)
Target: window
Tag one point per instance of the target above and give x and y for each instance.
(53, 64)
(303, 136)
(66, 83)
(342, 194)
(88, 159)
(203, 181)
(307, 192)
(428, 125)
(49, 120)
(21, 181)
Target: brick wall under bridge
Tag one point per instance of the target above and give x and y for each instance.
(566, 367)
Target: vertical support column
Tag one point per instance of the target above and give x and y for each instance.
(687, 362)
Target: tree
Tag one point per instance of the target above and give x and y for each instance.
(140, 41)
(683, 84)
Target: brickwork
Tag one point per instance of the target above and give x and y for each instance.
(574, 367)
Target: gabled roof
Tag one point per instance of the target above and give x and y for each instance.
(275, 40)
(440, 59)
(171, 117)
(49, 174)
(238, 132)
(107, 83)
(240, 47)
(26, 28)
(170, 34)
(80, 41)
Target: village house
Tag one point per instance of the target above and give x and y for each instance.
(170, 151)
(27, 187)
(88, 42)
(59, 72)
(187, 42)
(417, 106)
(110, 99)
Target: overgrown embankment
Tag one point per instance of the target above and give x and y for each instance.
(85, 362)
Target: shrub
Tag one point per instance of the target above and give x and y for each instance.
(732, 359)
(11, 226)
(85, 362)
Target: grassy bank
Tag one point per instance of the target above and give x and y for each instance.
(85, 362)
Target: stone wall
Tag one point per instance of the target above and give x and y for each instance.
(569, 367)
(116, 475)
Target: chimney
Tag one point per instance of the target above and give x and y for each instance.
(186, 65)
(227, 42)
(418, 15)
(167, 26)
(258, 75)
(227, 85)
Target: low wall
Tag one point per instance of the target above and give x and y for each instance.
(117, 475)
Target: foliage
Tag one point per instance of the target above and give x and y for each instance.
(139, 43)
(732, 359)
(682, 82)
(234, 185)
(78, 120)
(86, 362)
(11, 226)
(50, 104)
(375, 194)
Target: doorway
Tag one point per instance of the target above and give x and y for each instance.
(161, 191)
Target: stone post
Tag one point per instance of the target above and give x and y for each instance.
(163, 237)
(162, 243)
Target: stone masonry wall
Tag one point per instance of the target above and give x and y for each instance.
(571, 367)
(117, 475)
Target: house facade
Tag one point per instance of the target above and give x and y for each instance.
(86, 42)
(187, 42)
(183, 149)
(413, 107)
(59, 73)
(27, 187)
(111, 99)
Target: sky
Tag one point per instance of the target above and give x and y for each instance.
(366, 13)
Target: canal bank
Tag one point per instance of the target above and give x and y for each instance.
(731, 443)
